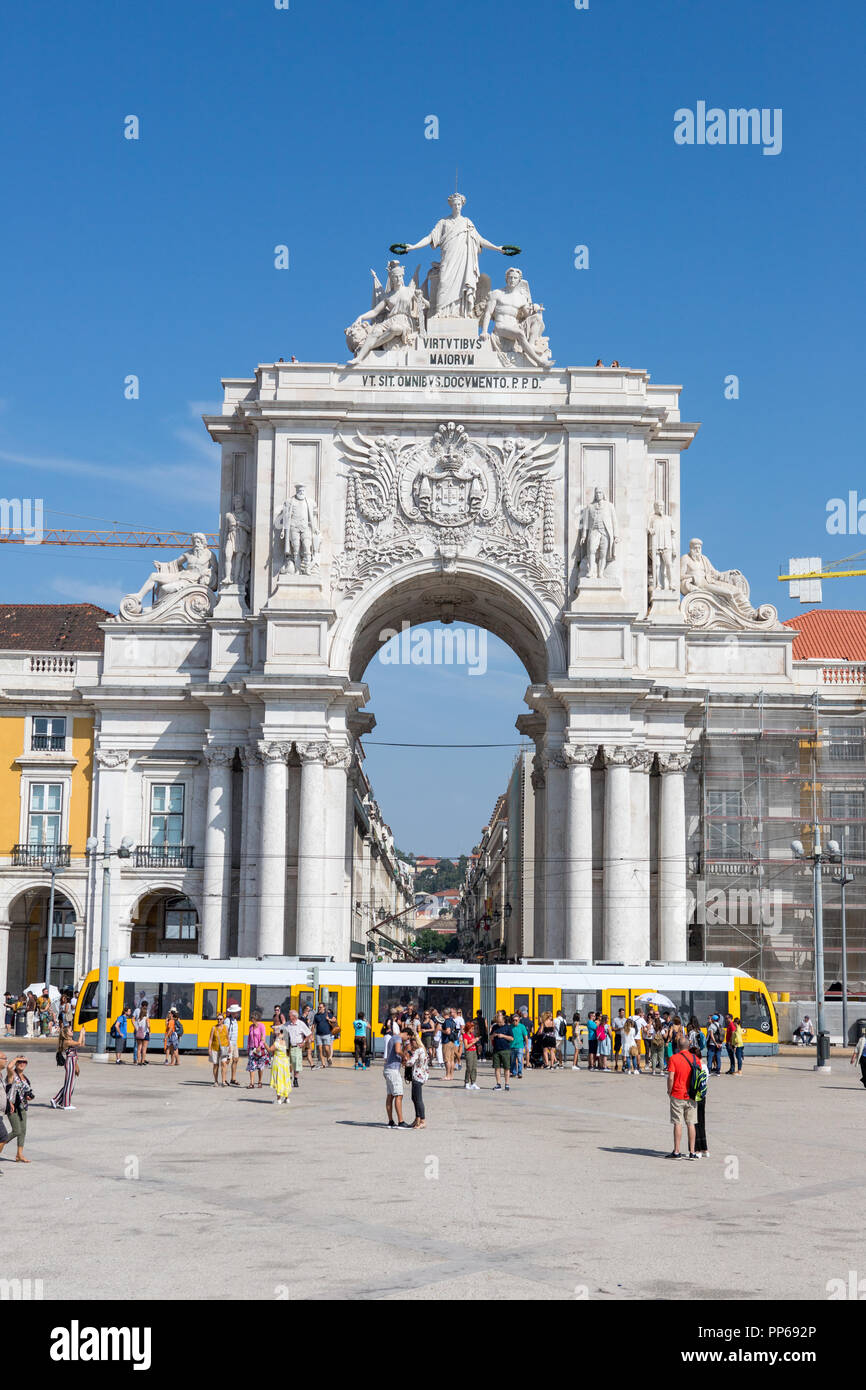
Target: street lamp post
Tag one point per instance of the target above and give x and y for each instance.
(819, 857)
(123, 852)
(843, 879)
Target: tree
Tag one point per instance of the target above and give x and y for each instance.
(446, 875)
(428, 942)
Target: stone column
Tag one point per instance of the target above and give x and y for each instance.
(538, 946)
(617, 854)
(5, 928)
(673, 928)
(272, 849)
(555, 854)
(251, 833)
(578, 850)
(336, 916)
(217, 857)
(641, 764)
(312, 848)
(112, 774)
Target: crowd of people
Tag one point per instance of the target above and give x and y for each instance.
(42, 1018)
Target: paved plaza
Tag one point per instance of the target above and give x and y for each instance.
(558, 1189)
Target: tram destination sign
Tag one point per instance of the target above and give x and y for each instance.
(450, 980)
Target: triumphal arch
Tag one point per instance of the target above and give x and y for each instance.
(450, 469)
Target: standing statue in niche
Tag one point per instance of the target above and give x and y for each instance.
(237, 546)
(299, 531)
(597, 537)
(459, 243)
(518, 320)
(662, 548)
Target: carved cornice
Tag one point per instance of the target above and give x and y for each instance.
(112, 758)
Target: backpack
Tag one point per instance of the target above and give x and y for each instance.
(178, 1027)
(697, 1087)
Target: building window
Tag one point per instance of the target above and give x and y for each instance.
(166, 814)
(48, 735)
(724, 824)
(846, 746)
(847, 810)
(181, 920)
(46, 813)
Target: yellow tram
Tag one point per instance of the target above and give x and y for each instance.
(200, 989)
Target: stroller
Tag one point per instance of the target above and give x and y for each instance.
(536, 1050)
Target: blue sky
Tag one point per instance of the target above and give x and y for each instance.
(306, 127)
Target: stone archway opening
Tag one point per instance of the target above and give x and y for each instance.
(28, 938)
(165, 922)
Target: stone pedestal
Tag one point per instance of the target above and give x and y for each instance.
(664, 606)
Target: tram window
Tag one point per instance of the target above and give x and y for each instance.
(209, 1003)
(332, 1003)
(583, 1002)
(705, 1004)
(545, 1004)
(87, 1006)
(179, 997)
(305, 997)
(138, 992)
(755, 1011)
(521, 1001)
(265, 998)
(234, 996)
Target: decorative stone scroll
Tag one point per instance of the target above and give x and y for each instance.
(719, 599)
(447, 497)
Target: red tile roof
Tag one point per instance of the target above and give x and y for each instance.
(830, 633)
(51, 627)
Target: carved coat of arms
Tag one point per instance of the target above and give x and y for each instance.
(448, 496)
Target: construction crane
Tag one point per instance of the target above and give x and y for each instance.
(806, 572)
(141, 540)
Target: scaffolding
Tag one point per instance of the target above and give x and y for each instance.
(770, 767)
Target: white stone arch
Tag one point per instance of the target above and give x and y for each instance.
(43, 886)
(474, 592)
(173, 889)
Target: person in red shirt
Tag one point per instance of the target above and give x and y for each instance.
(683, 1110)
(730, 1030)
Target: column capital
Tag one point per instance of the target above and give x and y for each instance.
(250, 754)
(325, 752)
(618, 755)
(274, 752)
(674, 762)
(555, 759)
(642, 760)
(537, 775)
(579, 754)
(218, 754)
(112, 758)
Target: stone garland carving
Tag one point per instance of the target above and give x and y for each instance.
(183, 589)
(449, 496)
(718, 599)
(112, 758)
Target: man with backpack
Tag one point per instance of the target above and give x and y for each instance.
(686, 1080)
(715, 1041)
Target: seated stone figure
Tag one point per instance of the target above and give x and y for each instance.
(714, 598)
(518, 320)
(195, 569)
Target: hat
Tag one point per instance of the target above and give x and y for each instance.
(715, 1018)
(233, 1009)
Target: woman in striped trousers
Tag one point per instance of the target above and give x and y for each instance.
(67, 1046)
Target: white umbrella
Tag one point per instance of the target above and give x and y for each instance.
(53, 992)
(652, 998)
